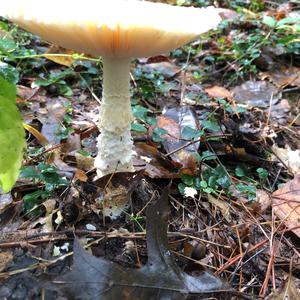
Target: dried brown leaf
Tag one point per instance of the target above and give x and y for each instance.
(283, 76)
(286, 204)
(39, 136)
(6, 257)
(288, 292)
(218, 92)
(63, 57)
(81, 175)
(222, 205)
(264, 200)
(154, 164)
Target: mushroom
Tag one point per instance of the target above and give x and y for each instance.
(119, 31)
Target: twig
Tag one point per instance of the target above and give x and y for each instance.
(264, 286)
(237, 257)
(28, 162)
(32, 239)
(200, 139)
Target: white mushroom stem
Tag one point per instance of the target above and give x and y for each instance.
(115, 142)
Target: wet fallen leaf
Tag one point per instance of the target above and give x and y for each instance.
(283, 76)
(286, 204)
(92, 277)
(72, 144)
(280, 111)
(63, 168)
(52, 119)
(166, 68)
(256, 93)
(25, 93)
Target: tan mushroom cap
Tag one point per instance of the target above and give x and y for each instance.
(117, 28)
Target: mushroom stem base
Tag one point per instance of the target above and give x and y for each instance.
(115, 142)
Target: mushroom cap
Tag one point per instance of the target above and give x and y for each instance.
(115, 28)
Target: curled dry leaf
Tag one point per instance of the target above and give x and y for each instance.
(286, 204)
(40, 137)
(46, 221)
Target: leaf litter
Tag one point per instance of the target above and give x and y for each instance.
(220, 118)
(159, 278)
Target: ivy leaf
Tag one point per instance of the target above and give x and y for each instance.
(12, 136)
(189, 133)
(138, 128)
(211, 126)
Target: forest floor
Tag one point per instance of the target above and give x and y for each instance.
(214, 202)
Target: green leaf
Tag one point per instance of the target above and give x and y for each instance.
(262, 173)
(211, 125)
(270, 21)
(207, 155)
(9, 73)
(187, 179)
(30, 173)
(12, 136)
(157, 133)
(138, 128)
(288, 20)
(249, 190)
(139, 112)
(33, 199)
(181, 188)
(7, 45)
(240, 171)
(189, 133)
